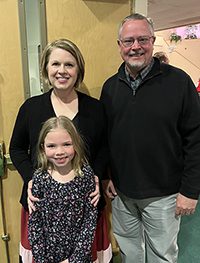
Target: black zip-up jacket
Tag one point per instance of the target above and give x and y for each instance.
(154, 135)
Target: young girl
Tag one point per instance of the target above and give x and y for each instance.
(62, 227)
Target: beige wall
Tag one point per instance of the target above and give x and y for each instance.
(185, 54)
(93, 26)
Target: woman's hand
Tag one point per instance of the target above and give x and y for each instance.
(65, 261)
(96, 194)
(31, 199)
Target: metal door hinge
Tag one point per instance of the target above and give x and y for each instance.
(1, 159)
(5, 237)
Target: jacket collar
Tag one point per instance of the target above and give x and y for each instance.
(156, 69)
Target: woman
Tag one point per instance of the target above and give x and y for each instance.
(62, 67)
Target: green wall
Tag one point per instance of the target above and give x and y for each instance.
(189, 238)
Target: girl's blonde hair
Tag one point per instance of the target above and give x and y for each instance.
(66, 124)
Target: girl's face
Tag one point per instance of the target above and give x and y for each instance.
(62, 69)
(59, 149)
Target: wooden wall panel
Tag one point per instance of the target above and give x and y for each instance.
(11, 97)
(93, 26)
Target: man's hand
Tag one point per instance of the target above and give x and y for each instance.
(31, 199)
(185, 205)
(96, 194)
(109, 188)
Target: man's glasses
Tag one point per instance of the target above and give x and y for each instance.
(142, 41)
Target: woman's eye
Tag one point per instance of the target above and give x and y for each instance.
(55, 64)
(69, 65)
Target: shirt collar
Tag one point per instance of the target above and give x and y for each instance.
(142, 74)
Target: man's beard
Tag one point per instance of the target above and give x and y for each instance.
(136, 65)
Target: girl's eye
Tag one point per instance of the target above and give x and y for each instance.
(50, 146)
(68, 144)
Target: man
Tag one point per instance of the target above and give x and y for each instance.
(153, 114)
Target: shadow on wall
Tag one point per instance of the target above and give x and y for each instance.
(100, 13)
(83, 88)
(93, 91)
(1, 116)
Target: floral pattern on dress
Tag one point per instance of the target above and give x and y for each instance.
(63, 225)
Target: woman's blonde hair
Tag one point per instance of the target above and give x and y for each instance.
(68, 46)
(66, 124)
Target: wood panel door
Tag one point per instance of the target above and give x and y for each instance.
(11, 96)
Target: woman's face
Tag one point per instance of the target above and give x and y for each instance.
(62, 69)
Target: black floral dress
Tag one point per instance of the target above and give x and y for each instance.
(63, 225)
